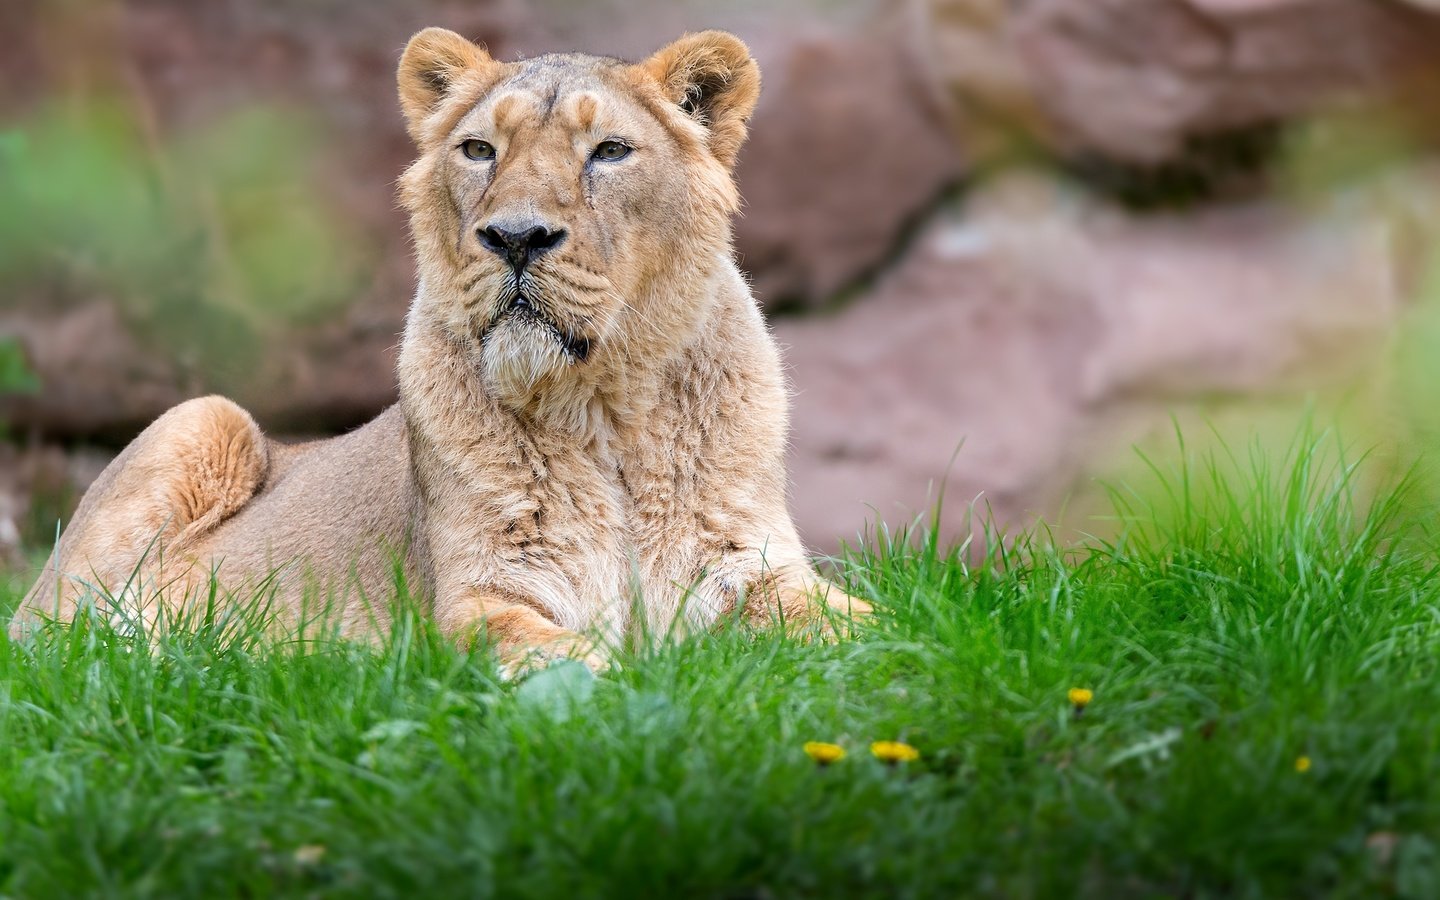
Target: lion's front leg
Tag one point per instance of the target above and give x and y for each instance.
(522, 636)
(802, 599)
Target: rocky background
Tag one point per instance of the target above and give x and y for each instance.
(1003, 241)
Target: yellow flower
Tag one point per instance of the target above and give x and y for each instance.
(1081, 697)
(893, 752)
(824, 753)
(1302, 764)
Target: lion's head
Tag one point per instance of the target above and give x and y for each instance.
(557, 200)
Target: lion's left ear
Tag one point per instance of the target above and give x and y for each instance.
(711, 76)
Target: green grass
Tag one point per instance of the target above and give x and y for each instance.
(1249, 613)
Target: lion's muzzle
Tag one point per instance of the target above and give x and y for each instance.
(518, 243)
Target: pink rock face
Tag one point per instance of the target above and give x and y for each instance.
(1032, 337)
(849, 146)
(1134, 80)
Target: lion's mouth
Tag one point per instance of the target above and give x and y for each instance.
(575, 346)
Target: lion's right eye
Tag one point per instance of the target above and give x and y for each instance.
(481, 150)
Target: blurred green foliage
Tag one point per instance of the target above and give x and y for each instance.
(15, 374)
(207, 240)
(1341, 148)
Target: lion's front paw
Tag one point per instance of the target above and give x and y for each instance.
(845, 604)
(516, 662)
(837, 611)
(838, 623)
(814, 610)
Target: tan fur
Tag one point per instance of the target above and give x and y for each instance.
(600, 435)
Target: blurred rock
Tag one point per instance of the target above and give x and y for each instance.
(849, 148)
(92, 370)
(1141, 81)
(11, 553)
(38, 485)
(1030, 338)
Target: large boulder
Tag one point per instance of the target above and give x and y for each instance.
(1142, 81)
(850, 147)
(1034, 335)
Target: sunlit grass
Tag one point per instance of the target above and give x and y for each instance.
(1259, 643)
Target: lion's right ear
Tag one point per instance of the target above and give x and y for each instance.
(434, 60)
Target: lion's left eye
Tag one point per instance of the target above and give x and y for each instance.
(611, 151)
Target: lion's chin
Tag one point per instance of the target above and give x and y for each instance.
(520, 354)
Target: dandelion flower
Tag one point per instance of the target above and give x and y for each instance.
(893, 752)
(1081, 697)
(823, 753)
(309, 854)
(1302, 764)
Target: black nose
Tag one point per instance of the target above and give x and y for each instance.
(519, 246)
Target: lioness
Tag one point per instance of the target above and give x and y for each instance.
(592, 414)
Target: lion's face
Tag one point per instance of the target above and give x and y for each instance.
(554, 195)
